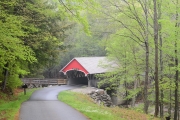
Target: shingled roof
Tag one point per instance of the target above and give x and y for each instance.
(88, 65)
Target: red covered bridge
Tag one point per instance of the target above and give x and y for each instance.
(82, 70)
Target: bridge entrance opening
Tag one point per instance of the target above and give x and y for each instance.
(76, 77)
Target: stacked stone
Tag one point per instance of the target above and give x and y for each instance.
(101, 97)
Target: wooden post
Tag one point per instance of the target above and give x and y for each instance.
(24, 91)
(89, 84)
(24, 87)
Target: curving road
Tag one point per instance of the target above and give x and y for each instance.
(44, 105)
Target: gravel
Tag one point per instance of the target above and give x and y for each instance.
(84, 90)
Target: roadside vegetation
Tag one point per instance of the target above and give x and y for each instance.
(85, 105)
(10, 104)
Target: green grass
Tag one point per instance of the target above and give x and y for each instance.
(10, 105)
(85, 105)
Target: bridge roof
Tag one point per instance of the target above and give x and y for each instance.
(87, 65)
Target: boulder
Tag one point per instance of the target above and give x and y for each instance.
(100, 96)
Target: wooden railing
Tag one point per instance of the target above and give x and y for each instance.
(44, 81)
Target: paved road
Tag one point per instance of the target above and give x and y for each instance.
(44, 105)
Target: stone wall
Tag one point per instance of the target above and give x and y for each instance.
(101, 97)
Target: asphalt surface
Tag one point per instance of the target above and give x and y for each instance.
(44, 105)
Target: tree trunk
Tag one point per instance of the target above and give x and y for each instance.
(161, 72)
(137, 78)
(5, 77)
(156, 60)
(161, 61)
(146, 102)
(170, 94)
(170, 99)
(134, 98)
(176, 107)
(176, 86)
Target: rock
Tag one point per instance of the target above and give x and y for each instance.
(90, 93)
(100, 96)
(100, 91)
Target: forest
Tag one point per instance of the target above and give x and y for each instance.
(39, 37)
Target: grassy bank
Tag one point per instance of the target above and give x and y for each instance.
(85, 105)
(10, 104)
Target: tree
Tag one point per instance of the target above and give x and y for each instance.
(176, 108)
(161, 59)
(128, 14)
(138, 30)
(13, 51)
(47, 36)
(32, 35)
(156, 59)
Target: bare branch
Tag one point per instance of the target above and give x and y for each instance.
(128, 36)
(66, 7)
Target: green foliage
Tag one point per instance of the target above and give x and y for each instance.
(47, 37)
(126, 46)
(14, 81)
(12, 48)
(33, 33)
(81, 45)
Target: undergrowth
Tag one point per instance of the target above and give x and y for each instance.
(10, 104)
(85, 105)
